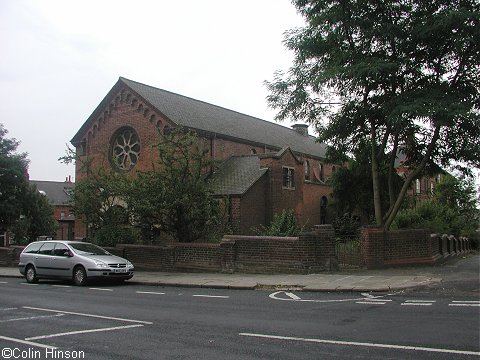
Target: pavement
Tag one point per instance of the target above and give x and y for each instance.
(464, 269)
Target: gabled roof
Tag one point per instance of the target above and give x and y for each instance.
(58, 193)
(199, 115)
(236, 175)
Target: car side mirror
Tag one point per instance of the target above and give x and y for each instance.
(68, 253)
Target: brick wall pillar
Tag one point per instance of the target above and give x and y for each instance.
(436, 247)
(454, 245)
(373, 243)
(227, 253)
(323, 237)
(445, 246)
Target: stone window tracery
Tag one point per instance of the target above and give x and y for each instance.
(125, 149)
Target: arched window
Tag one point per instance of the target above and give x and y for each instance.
(306, 169)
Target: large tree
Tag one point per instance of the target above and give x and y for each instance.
(175, 197)
(23, 210)
(13, 168)
(391, 73)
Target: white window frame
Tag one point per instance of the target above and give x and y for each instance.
(288, 177)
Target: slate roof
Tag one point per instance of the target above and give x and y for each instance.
(57, 192)
(195, 114)
(236, 175)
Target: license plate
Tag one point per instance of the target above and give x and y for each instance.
(119, 270)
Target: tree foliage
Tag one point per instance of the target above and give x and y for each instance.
(13, 167)
(172, 198)
(352, 187)
(175, 197)
(403, 72)
(23, 210)
(452, 210)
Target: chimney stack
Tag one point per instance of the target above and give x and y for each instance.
(302, 129)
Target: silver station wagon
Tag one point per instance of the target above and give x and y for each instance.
(75, 260)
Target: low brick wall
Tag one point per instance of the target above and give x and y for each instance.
(308, 253)
(311, 252)
(9, 255)
(402, 247)
(198, 257)
(410, 246)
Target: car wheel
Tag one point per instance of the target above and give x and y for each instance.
(31, 274)
(79, 276)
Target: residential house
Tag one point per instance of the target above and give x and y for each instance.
(59, 195)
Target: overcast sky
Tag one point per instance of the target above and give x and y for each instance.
(59, 58)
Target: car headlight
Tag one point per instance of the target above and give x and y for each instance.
(129, 265)
(101, 264)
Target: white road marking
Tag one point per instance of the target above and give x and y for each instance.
(101, 289)
(418, 302)
(20, 341)
(275, 297)
(212, 296)
(370, 296)
(150, 292)
(3, 282)
(31, 318)
(292, 295)
(7, 309)
(83, 332)
(89, 315)
(371, 302)
(354, 343)
(465, 303)
(62, 286)
(29, 284)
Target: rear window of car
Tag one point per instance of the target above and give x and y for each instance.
(32, 248)
(47, 249)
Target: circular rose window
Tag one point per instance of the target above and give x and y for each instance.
(125, 149)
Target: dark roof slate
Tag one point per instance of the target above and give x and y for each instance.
(195, 114)
(58, 193)
(236, 175)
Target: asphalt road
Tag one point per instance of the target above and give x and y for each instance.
(129, 321)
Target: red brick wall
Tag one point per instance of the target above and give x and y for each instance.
(198, 257)
(311, 252)
(225, 148)
(252, 207)
(280, 198)
(405, 245)
(312, 194)
(399, 247)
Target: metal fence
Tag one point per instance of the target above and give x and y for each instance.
(349, 251)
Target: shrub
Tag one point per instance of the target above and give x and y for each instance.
(283, 224)
(430, 215)
(111, 235)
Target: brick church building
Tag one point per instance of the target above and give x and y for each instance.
(265, 167)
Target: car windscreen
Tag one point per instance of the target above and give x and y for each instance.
(88, 249)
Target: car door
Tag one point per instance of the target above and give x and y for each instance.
(43, 260)
(62, 261)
